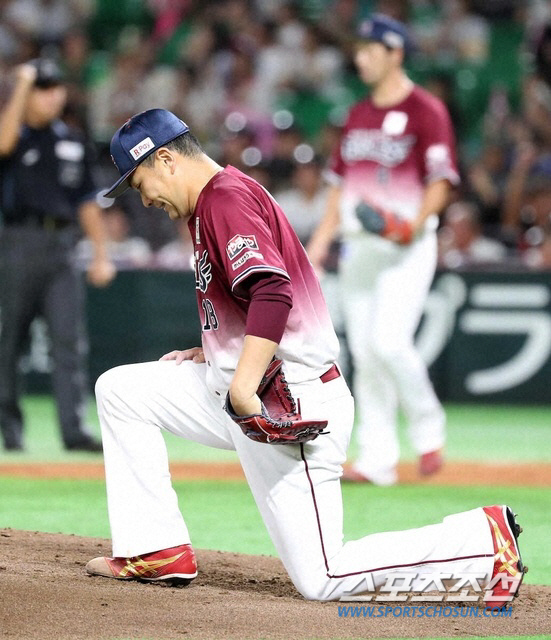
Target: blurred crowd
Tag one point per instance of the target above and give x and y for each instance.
(265, 86)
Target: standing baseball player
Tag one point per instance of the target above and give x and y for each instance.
(390, 176)
(264, 384)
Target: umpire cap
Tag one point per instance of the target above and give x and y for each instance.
(382, 28)
(138, 138)
(48, 73)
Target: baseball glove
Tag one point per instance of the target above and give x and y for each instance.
(279, 422)
(385, 224)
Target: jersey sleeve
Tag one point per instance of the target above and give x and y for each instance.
(237, 229)
(437, 144)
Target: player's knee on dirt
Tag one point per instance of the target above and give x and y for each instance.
(318, 587)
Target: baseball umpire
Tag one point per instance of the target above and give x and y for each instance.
(264, 383)
(46, 188)
(390, 177)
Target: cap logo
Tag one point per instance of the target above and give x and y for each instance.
(142, 148)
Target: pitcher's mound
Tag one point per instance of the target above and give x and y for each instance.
(46, 594)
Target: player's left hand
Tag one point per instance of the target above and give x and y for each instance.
(278, 421)
(261, 427)
(101, 272)
(385, 224)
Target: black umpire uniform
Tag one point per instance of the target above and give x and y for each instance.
(43, 182)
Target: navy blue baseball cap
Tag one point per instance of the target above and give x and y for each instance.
(382, 28)
(48, 73)
(138, 138)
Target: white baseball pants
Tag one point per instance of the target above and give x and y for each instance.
(384, 289)
(296, 487)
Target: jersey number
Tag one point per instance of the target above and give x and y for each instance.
(211, 321)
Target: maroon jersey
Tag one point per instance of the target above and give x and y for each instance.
(387, 156)
(239, 230)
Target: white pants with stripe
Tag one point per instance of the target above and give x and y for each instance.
(296, 487)
(384, 289)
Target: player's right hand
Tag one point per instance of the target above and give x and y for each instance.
(195, 354)
(384, 224)
(101, 272)
(26, 73)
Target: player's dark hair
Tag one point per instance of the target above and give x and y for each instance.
(186, 145)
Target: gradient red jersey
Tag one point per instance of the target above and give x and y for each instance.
(238, 230)
(387, 156)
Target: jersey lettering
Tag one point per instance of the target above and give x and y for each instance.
(238, 243)
(203, 270)
(246, 256)
(374, 145)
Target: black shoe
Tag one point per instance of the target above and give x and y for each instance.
(86, 444)
(12, 435)
(14, 446)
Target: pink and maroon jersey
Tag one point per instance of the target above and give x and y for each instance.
(387, 156)
(239, 230)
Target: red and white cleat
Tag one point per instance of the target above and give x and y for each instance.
(508, 567)
(176, 565)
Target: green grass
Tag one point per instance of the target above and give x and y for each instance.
(79, 507)
(43, 441)
(475, 432)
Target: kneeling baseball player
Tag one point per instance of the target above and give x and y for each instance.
(264, 383)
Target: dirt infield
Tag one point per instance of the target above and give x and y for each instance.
(46, 595)
(452, 474)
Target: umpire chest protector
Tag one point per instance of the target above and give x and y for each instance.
(48, 175)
